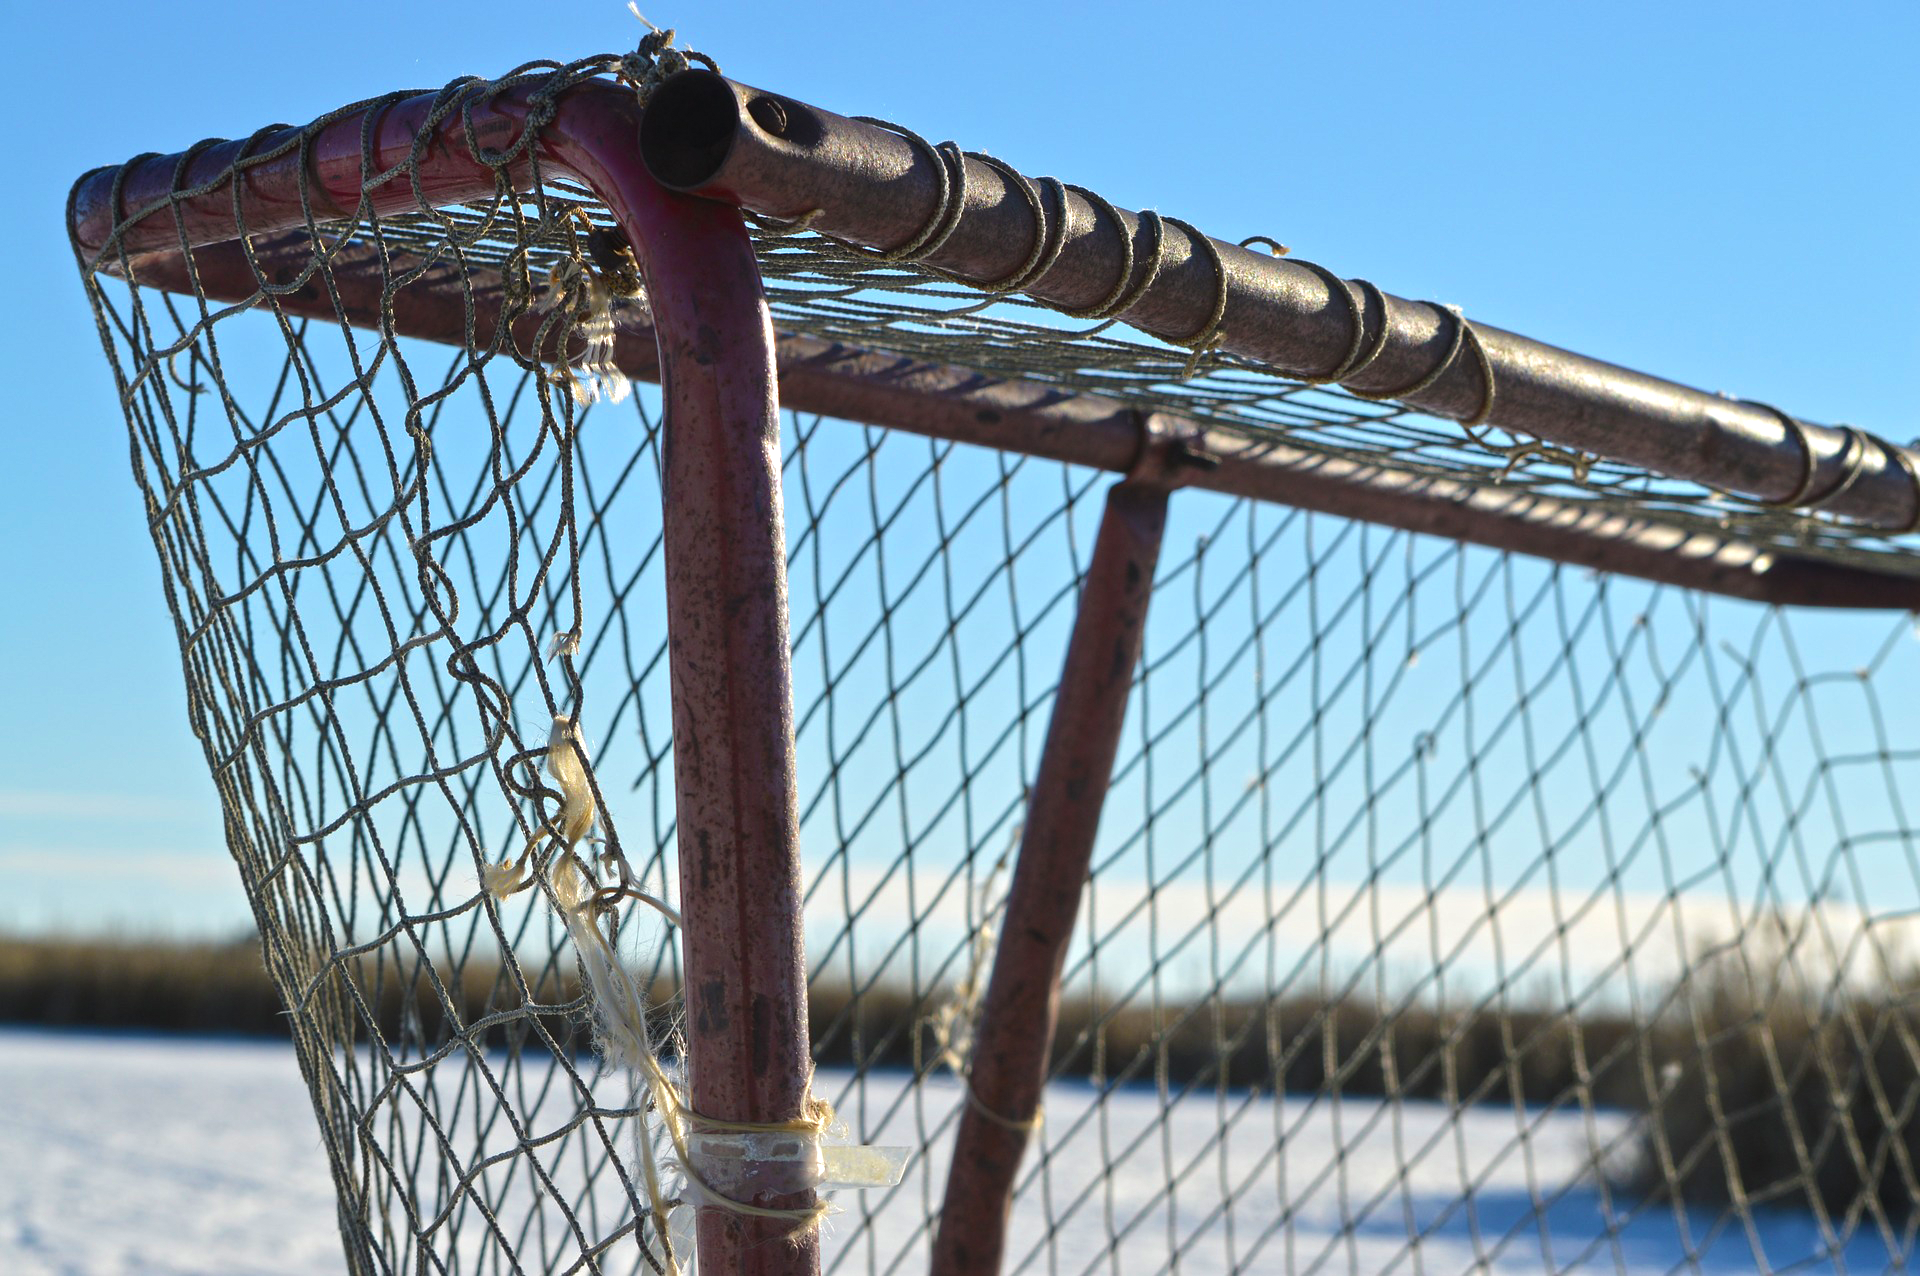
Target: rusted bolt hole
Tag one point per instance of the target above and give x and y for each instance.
(769, 115)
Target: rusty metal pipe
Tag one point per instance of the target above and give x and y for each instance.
(867, 185)
(1083, 429)
(221, 189)
(748, 1051)
(1014, 1041)
(748, 1057)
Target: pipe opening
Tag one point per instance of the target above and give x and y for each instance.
(688, 128)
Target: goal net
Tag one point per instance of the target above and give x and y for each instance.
(1451, 907)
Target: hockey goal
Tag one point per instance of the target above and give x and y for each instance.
(761, 817)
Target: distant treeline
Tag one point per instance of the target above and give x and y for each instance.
(1747, 1093)
(157, 985)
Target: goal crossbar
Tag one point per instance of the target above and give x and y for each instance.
(880, 188)
(846, 382)
(870, 182)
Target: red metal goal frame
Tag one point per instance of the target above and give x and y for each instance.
(174, 222)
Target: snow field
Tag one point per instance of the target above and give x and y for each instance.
(126, 1154)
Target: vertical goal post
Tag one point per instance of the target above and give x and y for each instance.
(726, 588)
(790, 258)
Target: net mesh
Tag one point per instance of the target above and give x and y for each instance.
(1452, 910)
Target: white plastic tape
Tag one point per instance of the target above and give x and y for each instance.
(745, 1165)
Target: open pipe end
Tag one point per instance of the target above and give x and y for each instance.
(688, 129)
(89, 214)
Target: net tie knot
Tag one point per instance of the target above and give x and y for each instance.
(652, 63)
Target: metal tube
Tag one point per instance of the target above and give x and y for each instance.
(712, 349)
(881, 180)
(1014, 1041)
(870, 186)
(189, 199)
(1043, 421)
(748, 1054)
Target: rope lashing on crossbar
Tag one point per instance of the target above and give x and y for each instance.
(1853, 463)
(1361, 355)
(656, 60)
(1126, 291)
(1904, 459)
(1051, 233)
(1207, 335)
(1049, 240)
(1046, 199)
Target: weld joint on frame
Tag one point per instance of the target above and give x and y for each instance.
(1171, 451)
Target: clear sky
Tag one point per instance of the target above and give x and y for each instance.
(1720, 193)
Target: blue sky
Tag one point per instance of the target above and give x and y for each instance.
(1721, 193)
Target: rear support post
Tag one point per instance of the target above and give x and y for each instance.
(1014, 1043)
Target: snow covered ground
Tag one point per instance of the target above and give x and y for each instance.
(149, 1155)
